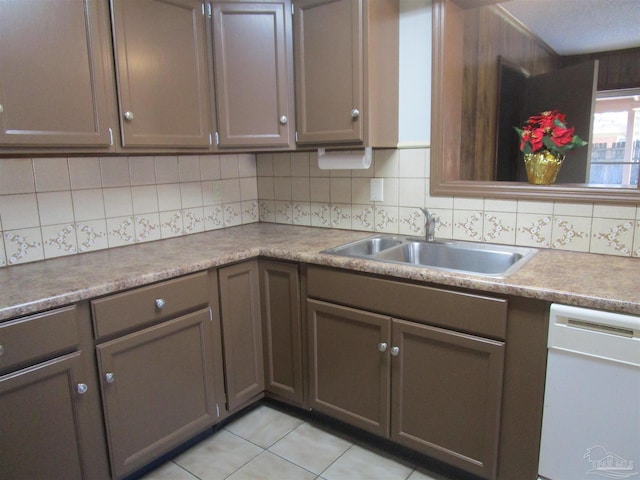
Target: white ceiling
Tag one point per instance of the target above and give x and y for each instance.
(580, 26)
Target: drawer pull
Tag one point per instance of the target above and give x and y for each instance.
(160, 303)
(395, 351)
(382, 347)
(109, 377)
(82, 388)
(1, 349)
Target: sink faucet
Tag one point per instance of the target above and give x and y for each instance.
(429, 225)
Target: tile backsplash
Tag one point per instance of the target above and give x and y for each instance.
(51, 207)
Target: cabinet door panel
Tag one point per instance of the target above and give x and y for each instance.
(253, 73)
(447, 395)
(328, 49)
(162, 390)
(41, 424)
(280, 295)
(241, 332)
(349, 376)
(53, 84)
(161, 61)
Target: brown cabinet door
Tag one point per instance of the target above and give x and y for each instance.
(54, 84)
(446, 395)
(349, 365)
(241, 332)
(253, 74)
(162, 73)
(280, 299)
(328, 49)
(157, 388)
(42, 426)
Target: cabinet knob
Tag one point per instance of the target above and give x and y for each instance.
(283, 120)
(128, 116)
(109, 377)
(395, 351)
(82, 388)
(355, 113)
(382, 347)
(160, 303)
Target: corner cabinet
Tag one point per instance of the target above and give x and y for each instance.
(346, 65)
(241, 333)
(49, 396)
(162, 73)
(158, 374)
(253, 70)
(56, 84)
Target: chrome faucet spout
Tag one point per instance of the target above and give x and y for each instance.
(429, 225)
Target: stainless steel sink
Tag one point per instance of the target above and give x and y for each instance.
(466, 257)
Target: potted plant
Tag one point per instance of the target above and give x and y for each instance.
(545, 139)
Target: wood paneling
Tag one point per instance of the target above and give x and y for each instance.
(618, 69)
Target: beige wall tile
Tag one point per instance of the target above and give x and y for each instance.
(320, 215)
(3, 257)
(210, 167)
(612, 236)
(387, 219)
(19, 211)
(191, 195)
(169, 197)
(571, 233)
(341, 216)
(147, 227)
(444, 225)
(411, 192)
(248, 189)
(16, 176)
(232, 214)
(363, 217)
(231, 191)
(193, 220)
(89, 204)
(534, 230)
(167, 169)
(84, 172)
(171, 224)
(115, 171)
(412, 163)
(266, 188)
(625, 212)
(301, 213)
(92, 235)
(23, 245)
(284, 212)
(320, 191)
(189, 168)
(213, 217)
(267, 210)
(282, 188)
(120, 231)
(386, 163)
(55, 208)
(250, 211)
(229, 166)
(468, 225)
(142, 171)
(360, 191)
(300, 164)
(264, 164)
(144, 199)
(51, 174)
(573, 209)
(411, 221)
(499, 227)
(391, 195)
(117, 202)
(340, 190)
(247, 165)
(526, 206)
(300, 189)
(282, 164)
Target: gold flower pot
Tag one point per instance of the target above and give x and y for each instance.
(542, 167)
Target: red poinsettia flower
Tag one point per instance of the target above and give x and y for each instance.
(548, 131)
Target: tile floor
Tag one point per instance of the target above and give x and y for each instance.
(267, 444)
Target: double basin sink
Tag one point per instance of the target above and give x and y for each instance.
(451, 255)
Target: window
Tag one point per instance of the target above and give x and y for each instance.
(615, 142)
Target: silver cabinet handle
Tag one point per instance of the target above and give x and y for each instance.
(1, 108)
(355, 113)
(82, 388)
(394, 351)
(382, 347)
(109, 377)
(1, 350)
(128, 116)
(160, 303)
(283, 120)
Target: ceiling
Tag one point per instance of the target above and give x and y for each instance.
(574, 27)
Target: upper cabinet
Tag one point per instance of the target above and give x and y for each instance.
(162, 73)
(253, 69)
(346, 57)
(56, 88)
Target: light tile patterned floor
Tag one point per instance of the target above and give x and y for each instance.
(267, 444)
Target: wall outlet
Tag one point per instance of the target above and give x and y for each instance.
(376, 190)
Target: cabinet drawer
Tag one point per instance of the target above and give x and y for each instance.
(465, 312)
(129, 310)
(38, 337)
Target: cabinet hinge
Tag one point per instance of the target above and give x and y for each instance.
(217, 139)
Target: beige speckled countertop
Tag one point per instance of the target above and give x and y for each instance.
(582, 279)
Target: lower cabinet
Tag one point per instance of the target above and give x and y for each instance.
(241, 333)
(431, 389)
(50, 425)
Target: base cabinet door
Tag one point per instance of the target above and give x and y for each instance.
(281, 321)
(446, 395)
(42, 430)
(157, 387)
(349, 366)
(241, 333)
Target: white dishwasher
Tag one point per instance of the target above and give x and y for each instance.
(591, 419)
